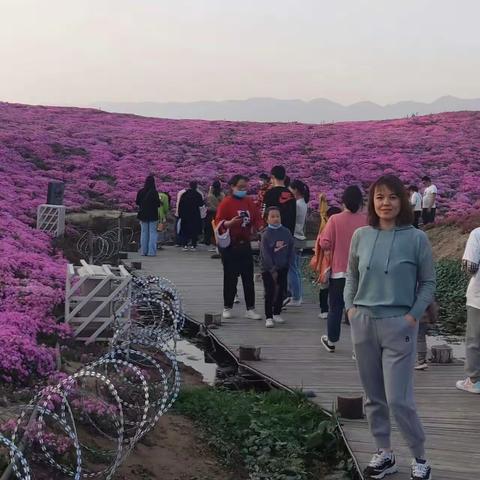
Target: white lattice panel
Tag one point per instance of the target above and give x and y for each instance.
(96, 297)
(51, 219)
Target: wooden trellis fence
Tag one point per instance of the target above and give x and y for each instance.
(94, 296)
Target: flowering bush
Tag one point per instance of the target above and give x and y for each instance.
(103, 159)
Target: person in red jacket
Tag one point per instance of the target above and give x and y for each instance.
(240, 215)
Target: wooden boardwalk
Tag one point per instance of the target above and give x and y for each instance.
(293, 357)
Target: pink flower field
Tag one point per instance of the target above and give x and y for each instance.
(103, 159)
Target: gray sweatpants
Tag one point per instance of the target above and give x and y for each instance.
(385, 349)
(472, 344)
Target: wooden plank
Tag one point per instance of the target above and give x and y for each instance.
(293, 356)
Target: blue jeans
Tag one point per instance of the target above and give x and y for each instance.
(295, 284)
(148, 238)
(336, 306)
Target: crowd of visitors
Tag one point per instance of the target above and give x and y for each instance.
(373, 264)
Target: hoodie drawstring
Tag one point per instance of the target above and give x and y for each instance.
(390, 251)
(372, 252)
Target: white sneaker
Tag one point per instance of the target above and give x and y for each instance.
(468, 385)
(269, 323)
(227, 313)
(295, 303)
(323, 315)
(278, 319)
(193, 249)
(421, 470)
(236, 299)
(252, 315)
(185, 248)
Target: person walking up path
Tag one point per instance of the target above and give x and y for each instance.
(238, 217)
(390, 284)
(148, 202)
(429, 201)
(280, 196)
(416, 203)
(471, 262)
(276, 255)
(190, 217)
(335, 241)
(295, 281)
(214, 197)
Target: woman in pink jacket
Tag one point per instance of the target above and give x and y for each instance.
(335, 241)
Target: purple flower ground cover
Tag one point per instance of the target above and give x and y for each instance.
(103, 159)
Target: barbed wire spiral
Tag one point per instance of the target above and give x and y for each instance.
(84, 426)
(98, 248)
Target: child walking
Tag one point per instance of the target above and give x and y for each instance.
(276, 256)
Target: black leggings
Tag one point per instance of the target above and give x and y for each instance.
(274, 292)
(238, 261)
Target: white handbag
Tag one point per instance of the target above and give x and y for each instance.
(223, 239)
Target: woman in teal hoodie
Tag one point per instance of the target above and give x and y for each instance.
(390, 283)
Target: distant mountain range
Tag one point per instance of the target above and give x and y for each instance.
(318, 110)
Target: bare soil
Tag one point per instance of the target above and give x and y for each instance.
(175, 450)
(448, 241)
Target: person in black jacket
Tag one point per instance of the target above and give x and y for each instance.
(191, 224)
(280, 196)
(148, 202)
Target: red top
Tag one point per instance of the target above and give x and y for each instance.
(231, 207)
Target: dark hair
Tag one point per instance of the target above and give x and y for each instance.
(216, 188)
(302, 189)
(278, 171)
(394, 184)
(236, 178)
(413, 188)
(193, 185)
(333, 211)
(352, 198)
(264, 176)
(426, 178)
(271, 209)
(149, 183)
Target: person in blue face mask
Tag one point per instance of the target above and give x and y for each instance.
(239, 215)
(277, 254)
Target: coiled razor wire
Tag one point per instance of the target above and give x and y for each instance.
(98, 248)
(116, 399)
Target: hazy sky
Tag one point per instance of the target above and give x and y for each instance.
(76, 52)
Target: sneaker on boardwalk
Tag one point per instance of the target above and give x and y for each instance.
(328, 346)
(421, 470)
(252, 315)
(381, 465)
(468, 385)
(421, 365)
(269, 323)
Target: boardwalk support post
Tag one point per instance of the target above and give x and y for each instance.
(350, 407)
(212, 319)
(248, 352)
(442, 354)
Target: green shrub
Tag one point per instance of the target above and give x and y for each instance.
(277, 435)
(452, 284)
